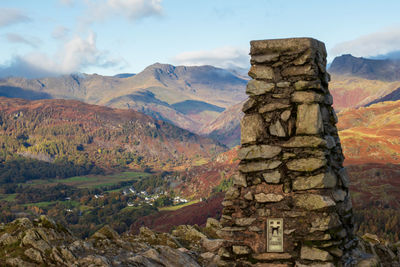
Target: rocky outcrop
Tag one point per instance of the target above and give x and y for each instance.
(372, 251)
(42, 242)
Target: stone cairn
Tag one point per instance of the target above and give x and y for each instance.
(290, 203)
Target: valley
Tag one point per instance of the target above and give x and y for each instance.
(79, 163)
(155, 133)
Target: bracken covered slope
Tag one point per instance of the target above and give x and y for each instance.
(371, 134)
(353, 92)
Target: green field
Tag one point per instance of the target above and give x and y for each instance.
(8, 197)
(44, 204)
(131, 208)
(177, 207)
(91, 181)
(200, 162)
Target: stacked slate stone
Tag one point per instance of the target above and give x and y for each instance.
(291, 163)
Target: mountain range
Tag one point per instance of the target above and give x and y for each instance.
(188, 97)
(204, 100)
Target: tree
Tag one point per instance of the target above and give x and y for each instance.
(163, 201)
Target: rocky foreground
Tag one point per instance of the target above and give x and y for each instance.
(42, 242)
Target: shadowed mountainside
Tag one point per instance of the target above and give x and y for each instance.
(226, 127)
(393, 96)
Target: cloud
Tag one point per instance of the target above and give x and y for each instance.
(60, 32)
(18, 66)
(79, 53)
(11, 16)
(132, 9)
(370, 45)
(223, 57)
(74, 56)
(16, 38)
(136, 9)
(391, 55)
(69, 3)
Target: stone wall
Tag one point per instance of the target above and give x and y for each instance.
(290, 203)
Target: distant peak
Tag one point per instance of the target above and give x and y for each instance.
(160, 66)
(372, 69)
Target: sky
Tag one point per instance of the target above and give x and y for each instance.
(53, 37)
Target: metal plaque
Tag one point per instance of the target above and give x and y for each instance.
(275, 235)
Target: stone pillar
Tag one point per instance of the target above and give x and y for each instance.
(290, 203)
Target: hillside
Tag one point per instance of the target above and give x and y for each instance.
(208, 178)
(161, 90)
(371, 134)
(393, 96)
(198, 213)
(85, 138)
(353, 92)
(371, 145)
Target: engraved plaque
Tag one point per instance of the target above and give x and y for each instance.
(275, 235)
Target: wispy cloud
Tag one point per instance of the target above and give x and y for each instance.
(377, 43)
(75, 55)
(16, 38)
(60, 32)
(131, 9)
(11, 16)
(224, 57)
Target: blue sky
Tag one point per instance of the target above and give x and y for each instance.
(51, 37)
